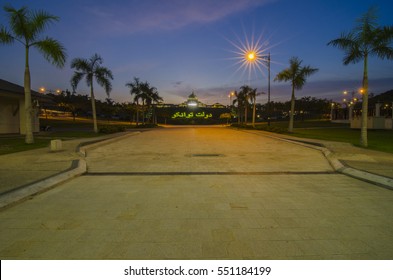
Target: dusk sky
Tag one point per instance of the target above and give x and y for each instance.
(180, 46)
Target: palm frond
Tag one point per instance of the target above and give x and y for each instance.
(76, 78)
(368, 21)
(81, 64)
(283, 76)
(40, 20)
(103, 77)
(5, 36)
(18, 21)
(52, 50)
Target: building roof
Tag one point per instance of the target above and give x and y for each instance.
(14, 88)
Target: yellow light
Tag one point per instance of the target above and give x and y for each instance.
(42, 89)
(251, 56)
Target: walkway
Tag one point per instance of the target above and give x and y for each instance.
(203, 193)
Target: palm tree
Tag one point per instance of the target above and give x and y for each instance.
(245, 93)
(136, 91)
(26, 27)
(240, 101)
(297, 76)
(366, 39)
(151, 95)
(90, 69)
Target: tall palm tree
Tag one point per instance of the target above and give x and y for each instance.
(26, 27)
(245, 95)
(297, 75)
(91, 69)
(239, 100)
(136, 91)
(152, 96)
(366, 39)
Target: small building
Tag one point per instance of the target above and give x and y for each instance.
(192, 101)
(12, 108)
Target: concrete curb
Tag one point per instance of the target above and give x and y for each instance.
(338, 166)
(82, 148)
(28, 191)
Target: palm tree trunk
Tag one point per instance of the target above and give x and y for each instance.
(253, 114)
(245, 114)
(363, 132)
(143, 111)
(93, 107)
(137, 112)
(238, 115)
(29, 139)
(290, 128)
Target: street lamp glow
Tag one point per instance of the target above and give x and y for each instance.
(251, 56)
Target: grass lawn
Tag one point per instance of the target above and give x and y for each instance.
(16, 143)
(381, 140)
(62, 128)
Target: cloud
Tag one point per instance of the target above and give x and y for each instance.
(177, 84)
(137, 16)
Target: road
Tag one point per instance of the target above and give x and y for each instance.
(203, 193)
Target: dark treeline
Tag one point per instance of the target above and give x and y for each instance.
(79, 105)
(306, 108)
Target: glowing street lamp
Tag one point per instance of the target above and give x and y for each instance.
(253, 57)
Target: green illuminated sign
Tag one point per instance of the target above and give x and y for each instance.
(185, 115)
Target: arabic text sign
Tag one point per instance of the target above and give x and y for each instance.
(190, 115)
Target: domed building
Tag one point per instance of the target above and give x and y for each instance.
(193, 102)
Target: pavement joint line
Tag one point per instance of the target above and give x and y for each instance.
(337, 165)
(147, 173)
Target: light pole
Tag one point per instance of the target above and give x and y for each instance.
(268, 90)
(252, 57)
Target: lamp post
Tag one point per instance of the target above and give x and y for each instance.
(268, 91)
(252, 57)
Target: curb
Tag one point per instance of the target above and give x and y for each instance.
(78, 168)
(338, 166)
(29, 191)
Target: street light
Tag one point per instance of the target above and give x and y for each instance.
(253, 57)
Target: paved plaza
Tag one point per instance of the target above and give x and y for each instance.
(202, 193)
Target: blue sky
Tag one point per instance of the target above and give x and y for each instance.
(180, 46)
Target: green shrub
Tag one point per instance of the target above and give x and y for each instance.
(111, 129)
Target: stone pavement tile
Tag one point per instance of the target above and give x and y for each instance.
(124, 213)
(323, 247)
(20, 249)
(222, 235)
(337, 257)
(240, 249)
(276, 249)
(265, 234)
(190, 250)
(357, 246)
(215, 250)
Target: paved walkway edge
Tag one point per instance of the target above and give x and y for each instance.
(28, 191)
(338, 166)
(77, 169)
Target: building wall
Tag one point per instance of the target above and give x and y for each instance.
(22, 114)
(9, 115)
(12, 116)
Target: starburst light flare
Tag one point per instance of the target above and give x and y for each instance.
(251, 56)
